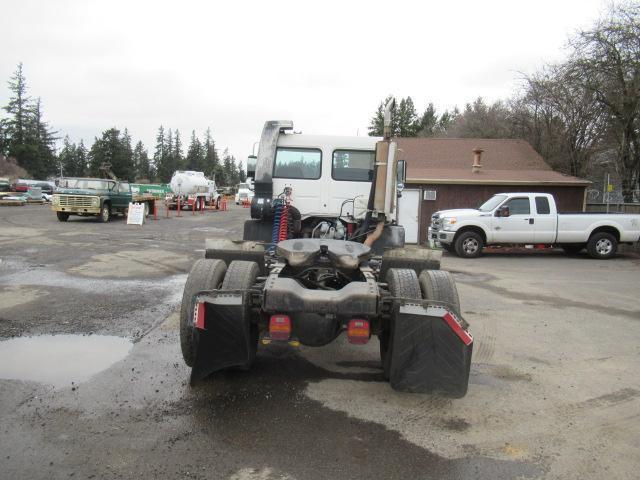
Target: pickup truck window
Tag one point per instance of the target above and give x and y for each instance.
(518, 206)
(302, 163)
(353, 165)
(542, 206)
(492, 203)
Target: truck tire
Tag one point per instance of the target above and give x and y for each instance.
(205, 274)
(146, 209)
(572, 249)
(602, 245)
(105, 212)
(469, 244)
(403, 282)
(218, 203)
(241, 275)
(440, 286)
(62, 216)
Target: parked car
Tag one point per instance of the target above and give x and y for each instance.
(531, 218)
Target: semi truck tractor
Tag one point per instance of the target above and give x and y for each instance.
(189, 189)
(324, 256)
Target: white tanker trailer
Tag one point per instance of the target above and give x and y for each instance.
(191, 188)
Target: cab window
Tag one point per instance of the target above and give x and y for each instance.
(353, 165)
(518, 206)
(302, 163)
(542, 206)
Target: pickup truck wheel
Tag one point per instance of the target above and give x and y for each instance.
(105, 213)
(572, 249)
(206, 274)
(469, 245)
(241, 275)
(602, 245)
(146, 209)
(218, 204)
(402, 282)
(62, 216)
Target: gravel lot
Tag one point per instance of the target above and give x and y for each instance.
(555, 390)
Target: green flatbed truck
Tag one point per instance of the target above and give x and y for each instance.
(96, 197)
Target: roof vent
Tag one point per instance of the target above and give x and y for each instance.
(477, 160)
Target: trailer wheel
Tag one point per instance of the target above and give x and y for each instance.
(602, 245)
(440, 286)
(469, 244)
(206, 274)
(62, 216)
(241, 275)
(403, 282)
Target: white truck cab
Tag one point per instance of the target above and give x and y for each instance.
(531, 218)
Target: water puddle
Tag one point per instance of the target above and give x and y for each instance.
(60, 360)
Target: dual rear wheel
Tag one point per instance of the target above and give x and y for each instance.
(415, 355)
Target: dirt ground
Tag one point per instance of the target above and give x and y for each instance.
(92, 382)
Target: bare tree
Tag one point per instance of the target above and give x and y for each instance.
(606, 62)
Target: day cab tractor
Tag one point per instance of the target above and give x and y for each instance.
(322, 255)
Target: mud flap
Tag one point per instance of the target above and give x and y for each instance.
(430, 352)
(224, 341)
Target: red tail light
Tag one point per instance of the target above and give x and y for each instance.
(358, 331)
(458, 330)
(280, 327)
(198, 316)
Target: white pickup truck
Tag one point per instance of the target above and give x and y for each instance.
(531, 218)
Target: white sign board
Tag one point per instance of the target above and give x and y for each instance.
(135, 216)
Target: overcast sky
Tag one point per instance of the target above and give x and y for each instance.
(232, 65)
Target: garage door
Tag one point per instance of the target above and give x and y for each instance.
(409, 213)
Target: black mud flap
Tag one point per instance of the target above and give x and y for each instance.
(431, 352)
(224, 341)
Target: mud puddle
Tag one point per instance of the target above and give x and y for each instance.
(60, 360)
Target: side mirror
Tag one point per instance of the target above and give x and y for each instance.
(252, 160)
(503, 211)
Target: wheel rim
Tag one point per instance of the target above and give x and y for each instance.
(470, 246)
(105, 213)
(604, 246)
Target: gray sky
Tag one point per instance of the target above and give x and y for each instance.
(232, 65)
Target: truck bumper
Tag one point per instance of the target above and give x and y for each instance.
(442, 236)
(75, 210)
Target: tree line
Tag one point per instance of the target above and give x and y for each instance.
(27, 138)
(581, 115)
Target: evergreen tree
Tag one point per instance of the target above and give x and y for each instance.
(80, 161)
(177, 152)
(158, 155)
(67, 158)
(211, 165)
(428, 122)
(195, 155)
(407, 119)
(142, 163)
(42, 143)
(112, 149)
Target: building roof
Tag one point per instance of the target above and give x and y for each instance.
(504, 162)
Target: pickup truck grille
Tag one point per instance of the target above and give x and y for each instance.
(75, 201)
(436, 223)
